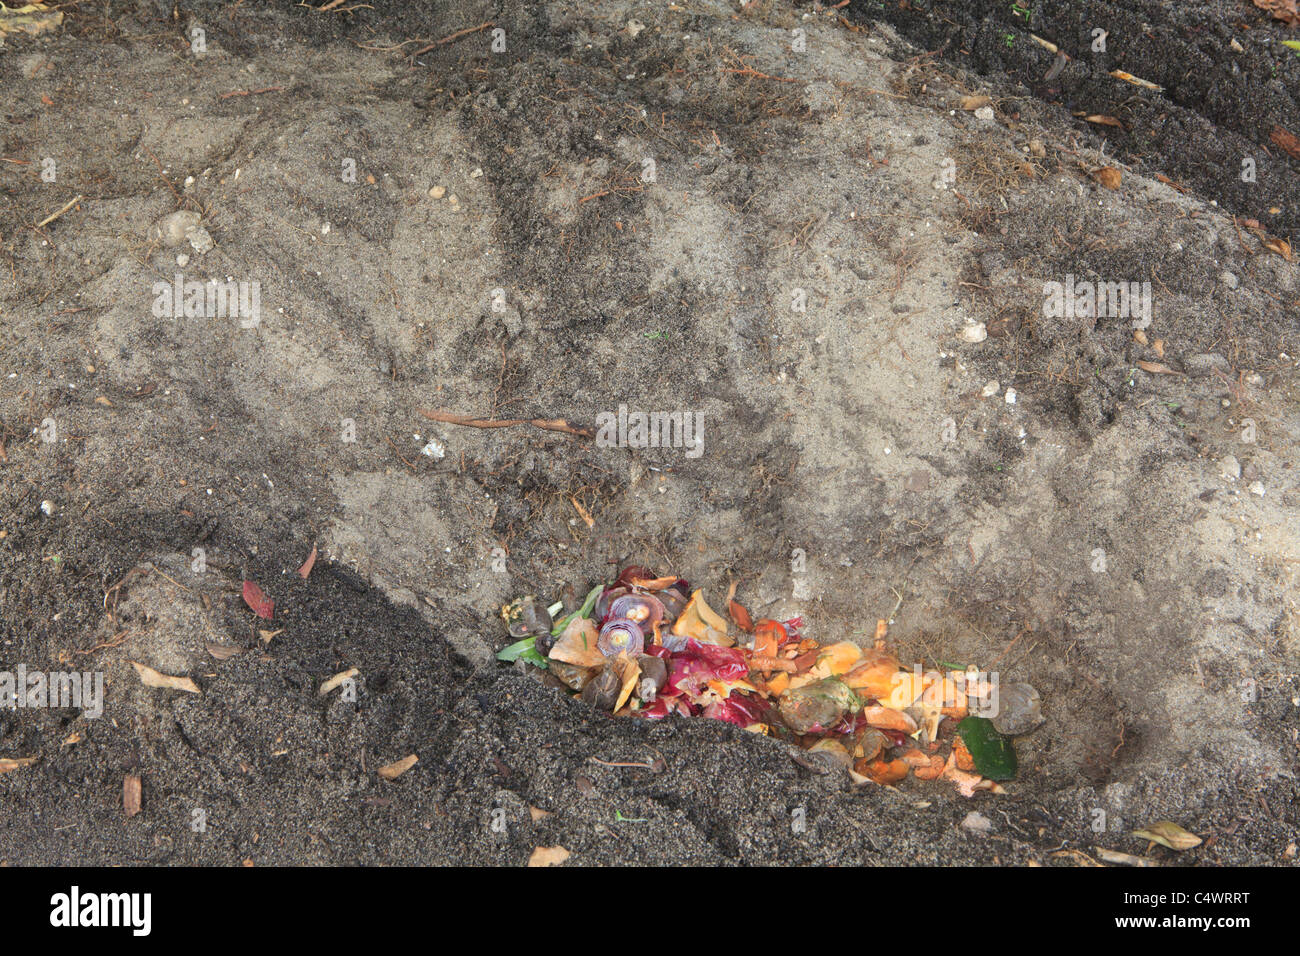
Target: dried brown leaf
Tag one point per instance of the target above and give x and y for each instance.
(152, 678)
(1156, 368)
(1170, 834)
(1103, 120)
(1286, 141)
(1285, 10)
(307, 565)
(1108, 176)
(131, 794)
(548, 856)
(15, 763)
(398, 767)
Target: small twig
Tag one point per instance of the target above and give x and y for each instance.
(453, 36)
(546, 424)
(55, 215)
(398, 453)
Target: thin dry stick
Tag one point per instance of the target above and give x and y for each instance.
(55, 215)
(454, 36)
(546, 424)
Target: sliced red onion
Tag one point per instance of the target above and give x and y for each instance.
(644, 609)
(620, 635)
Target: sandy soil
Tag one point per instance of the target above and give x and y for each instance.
(823, 229)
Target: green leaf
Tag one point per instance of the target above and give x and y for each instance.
(585, 611)
(525, 649)
(993, 754)
(1293, 44)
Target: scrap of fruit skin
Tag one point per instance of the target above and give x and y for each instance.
(886, 718)
(874, 673)
(631, 670)
(837, 659)
(701, 622)
(883, 772)
(968, 783)
(905, 688)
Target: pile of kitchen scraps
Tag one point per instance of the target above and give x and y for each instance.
(650, 647)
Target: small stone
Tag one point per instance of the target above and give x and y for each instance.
(1236, 47)
(975, 332)
(984, 113)
(437, 192)
(200, 239)
(634, 27)
(977, 823)
(182, 259)
(1228, 278)
(1019, 709)
(477, 174)
(1229, 467)
(1011, 396)
(991, 389)
(435, 449)
(174, 229)
(47, 507)
(453, 199)
(1036, 148)
(1257, 488)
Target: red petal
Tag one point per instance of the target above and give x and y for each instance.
(262, 605)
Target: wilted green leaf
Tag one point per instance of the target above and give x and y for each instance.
(585, 611)
(525, 649)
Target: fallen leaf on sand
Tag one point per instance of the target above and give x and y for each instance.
(548, 856)
(398, 767)
(1156, 368)
(131, 794)
(152, 678)
(224, 652)
(1285, 10)
(267, 635)
(1170, 834)
(537, 813)
(1279, 246)
(975, 101)
(1108, 176)
(1287, 141)
(1104, 120)
(337, 679)
(15, 763)
(307, 565)
(262, 605)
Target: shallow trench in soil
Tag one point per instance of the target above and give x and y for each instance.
(776, 221)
